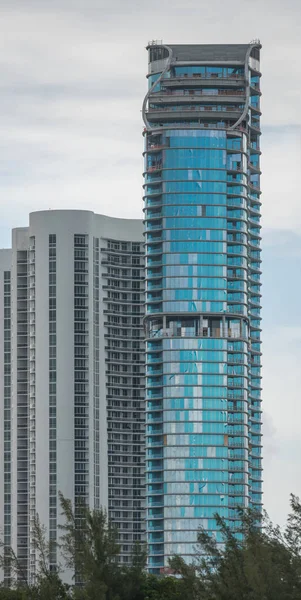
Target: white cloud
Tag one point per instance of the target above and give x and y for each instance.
(281, 163)
(72, 84)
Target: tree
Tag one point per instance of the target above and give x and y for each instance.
(133, 577)
(164, 588)
(292, 533)
(89, 546)
(193, 585)
(10, 563)
(7, 594)
(48, 585)
(255, 562)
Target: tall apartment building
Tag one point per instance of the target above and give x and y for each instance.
(5, 395)
(72, 385)
(202, 228)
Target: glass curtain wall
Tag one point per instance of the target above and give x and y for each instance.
(202, 235)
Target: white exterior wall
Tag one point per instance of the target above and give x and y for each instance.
(64, 224)
(5, 265)
(19, 242)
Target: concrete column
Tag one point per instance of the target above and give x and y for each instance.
(225, 332)
(201, 326)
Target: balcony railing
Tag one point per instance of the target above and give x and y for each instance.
(224, 108)
(191, 93)
(207, 76)
(156, 146)
(219, 125)
(154, 167)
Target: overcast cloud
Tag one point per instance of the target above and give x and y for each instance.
(71, 89)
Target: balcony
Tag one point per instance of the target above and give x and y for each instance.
(239, 361)
(255, 127)
(235, 444)
(255, 226)
(153, 286)
(154, 262)
(154, 360)
(199, 79)
(154, 167)
(151, 371)
(254, 87)
(153, 214)
(255, 210)
(184, 96)
(156, 527)
(156, 502)
(152, 202)
(185, 112)
(156, 147)
(154, 396)
(150, 226)
(254, 147)
(254, 168)
(158, 419)
(254, 244)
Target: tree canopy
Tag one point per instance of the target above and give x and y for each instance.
(257, 561)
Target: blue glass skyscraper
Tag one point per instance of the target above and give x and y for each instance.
(202, 234)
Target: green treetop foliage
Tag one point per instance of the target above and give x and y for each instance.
(256, 561)
(90, 549)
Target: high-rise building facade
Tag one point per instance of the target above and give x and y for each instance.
(202, 230)
(5, 395)
(72, 385)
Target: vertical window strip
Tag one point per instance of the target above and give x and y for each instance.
(81, 370)
(236, 245)
(52, 299)
(96, 372)
(22, 455)
(124, 308)
(7, 422)
(32, 405)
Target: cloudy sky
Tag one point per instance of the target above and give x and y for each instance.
(72, 84)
